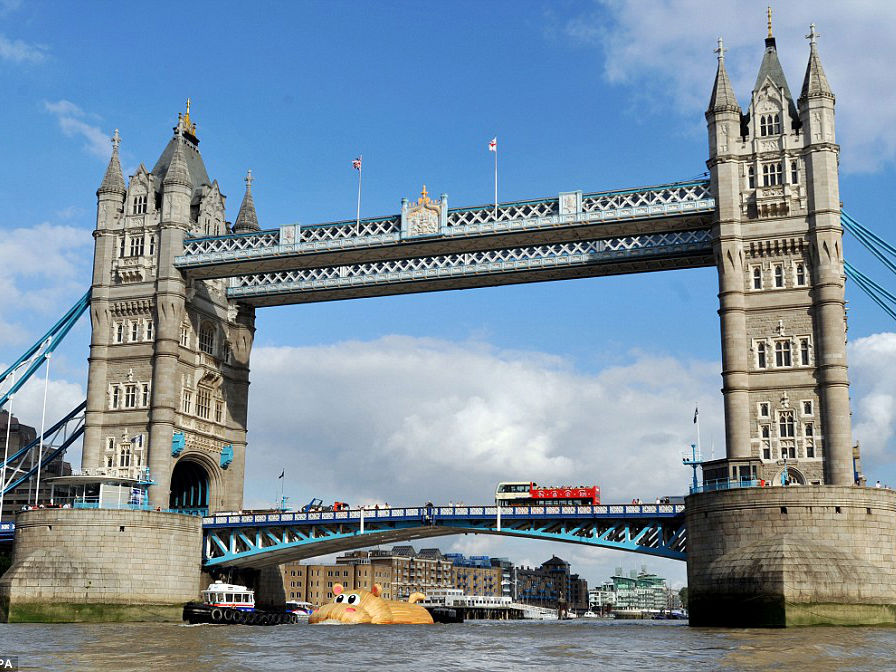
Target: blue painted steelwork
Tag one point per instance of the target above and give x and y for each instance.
(57, 439)
(880, 249)
(42, 348)
(178, 441)
(226, 456)
(274, 538)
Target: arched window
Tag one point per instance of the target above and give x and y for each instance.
(757, 277)
(771, 174)
(779, 275)
(140, 205)
(776, 125)
(751, 177)
(207, 339)
(794, 173)
(763, 125)
(782, 353)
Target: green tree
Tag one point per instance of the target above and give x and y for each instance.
(683, 596)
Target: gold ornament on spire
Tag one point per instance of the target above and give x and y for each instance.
(423, 197)
(184, 123)
(770, 22)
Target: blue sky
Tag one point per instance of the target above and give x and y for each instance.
(437, 396)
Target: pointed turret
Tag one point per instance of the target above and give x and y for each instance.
(178, 173)
(113, 180)
(247, 220)
(722, 98)
(815, 83)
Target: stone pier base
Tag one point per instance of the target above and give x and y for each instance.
(777, 557)
(72, 565)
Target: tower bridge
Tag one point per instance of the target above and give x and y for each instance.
(172, 304)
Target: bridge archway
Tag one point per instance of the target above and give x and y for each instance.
(190, 486)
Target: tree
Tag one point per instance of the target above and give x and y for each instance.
(683, 596)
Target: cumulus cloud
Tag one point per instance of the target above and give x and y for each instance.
(18, 51)
(872, 363)
(662, 49)
(42, 271)
(405, 419)
(73, 121)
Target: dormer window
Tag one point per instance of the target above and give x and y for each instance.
(140, 205)
(770, 124)
(771, 174)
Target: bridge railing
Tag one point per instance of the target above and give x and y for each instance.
(442, 512)
(727, 484)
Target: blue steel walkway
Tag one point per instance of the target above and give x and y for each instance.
(260, 540)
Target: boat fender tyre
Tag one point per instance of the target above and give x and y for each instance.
(266, 619)
(253, 619)
(228, 615)
(279, 620)
(240, 617)
(293, 619)
(217, 615)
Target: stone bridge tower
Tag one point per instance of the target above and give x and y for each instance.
(169, 358)
(779, 252)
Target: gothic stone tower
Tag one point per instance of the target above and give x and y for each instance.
(169, 357)
(779, 252)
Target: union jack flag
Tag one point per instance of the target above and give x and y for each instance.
(356, 164)
(493, 145)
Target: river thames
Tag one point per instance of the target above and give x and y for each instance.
(475, 645)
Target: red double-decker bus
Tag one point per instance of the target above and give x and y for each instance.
(528, 493)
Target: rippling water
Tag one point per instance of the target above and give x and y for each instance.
(476, 645)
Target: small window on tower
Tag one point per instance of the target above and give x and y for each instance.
(804, 352)
(135, 331)
(761, 355)
(140, 205)
(800, 274)
(782, 354)
(764, 409)
(207, 339)
(751, 177)
(794, 173)
(121, 244)
(152, 245)
(119, 332)
(757, 277)
(149, 329)
(776, 124)
(137, 246)
(779, 275)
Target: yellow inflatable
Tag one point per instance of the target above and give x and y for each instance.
(366, 606)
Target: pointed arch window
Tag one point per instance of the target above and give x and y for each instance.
(786, 425)
(757, 277)
(761, 355)
(751, 177)
(794, 173)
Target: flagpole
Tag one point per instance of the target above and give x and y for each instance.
(358, 215)
(496, 181)
(697, 418)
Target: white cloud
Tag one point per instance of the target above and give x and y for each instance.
(872, 364)
(662, 49)
(405, 420)
(17, 51)
(42, 271)
(72, 122)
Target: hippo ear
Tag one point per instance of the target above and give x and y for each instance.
(337, 588)
(377, 590)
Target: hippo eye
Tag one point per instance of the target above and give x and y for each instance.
(354, 598)
(339, 598)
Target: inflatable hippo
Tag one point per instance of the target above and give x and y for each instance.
(366, 606)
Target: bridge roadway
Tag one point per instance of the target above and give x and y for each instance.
(259, 540)
(572, 235)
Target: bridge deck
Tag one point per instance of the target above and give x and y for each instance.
(274, 538)
(603, 233)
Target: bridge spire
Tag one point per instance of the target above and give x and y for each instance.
(113, 180)
(815, 83)
(722, 98)
(247, 220)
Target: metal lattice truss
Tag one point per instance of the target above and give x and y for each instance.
(264, 250)
(563, 258)
(23, 464)
(269, 539)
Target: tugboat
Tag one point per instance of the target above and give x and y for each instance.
(231, 604)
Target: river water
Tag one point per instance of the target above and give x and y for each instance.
(565, 646)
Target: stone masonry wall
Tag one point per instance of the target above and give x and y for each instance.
(789, 556)
(72, 564)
